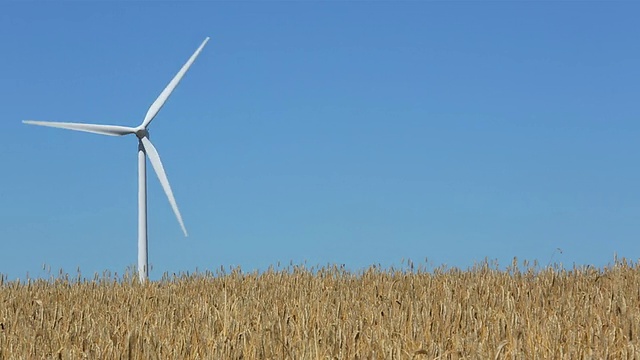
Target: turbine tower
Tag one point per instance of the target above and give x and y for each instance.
(145, 148)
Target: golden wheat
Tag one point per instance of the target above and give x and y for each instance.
(330, 313)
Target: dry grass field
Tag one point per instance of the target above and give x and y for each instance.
(330, 313)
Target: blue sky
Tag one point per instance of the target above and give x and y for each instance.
(351, 133)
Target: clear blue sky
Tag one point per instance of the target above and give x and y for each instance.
(353, 133)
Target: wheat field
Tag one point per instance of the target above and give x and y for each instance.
(330, 313)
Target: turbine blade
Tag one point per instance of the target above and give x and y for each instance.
(157, 105)
(111, 130)
(162, 176)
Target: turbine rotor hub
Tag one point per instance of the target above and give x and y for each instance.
(141, 132)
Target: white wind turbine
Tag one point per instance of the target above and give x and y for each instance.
(145, 147)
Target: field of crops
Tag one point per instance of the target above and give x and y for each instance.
(330, 313)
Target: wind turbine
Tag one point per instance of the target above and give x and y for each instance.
(145, 148)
